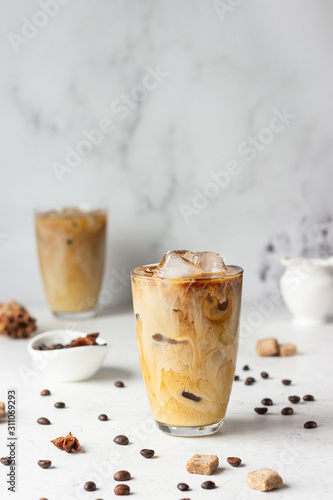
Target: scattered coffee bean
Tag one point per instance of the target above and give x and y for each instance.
(294, 399)
(267, 402)
(234, 461)
(261, 410)
(246, 368)
(249, 381)
(45, 392)
(43, 421)
(310, 424)
(264, 374)
(182, 486)
(90, 486)
(119, 383)
(69, 242)
(286, 381)
(122, 475)
(122, 489)
(123, 440)
(59, 405)
(308, 397)
(208, 485)
(6, 460)
(236, 377)
(147, 453)
(103, 417)
(287, 411)
(44, 464)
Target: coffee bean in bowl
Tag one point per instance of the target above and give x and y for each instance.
(74, 361)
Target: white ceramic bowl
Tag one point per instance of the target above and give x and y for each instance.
(67, 365)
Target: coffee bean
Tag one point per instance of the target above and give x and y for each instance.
(122, 475)
(234, 461)
(249, 381)
(69, 242)
(236, 377)
(308, 397)
(146, 453)
(122, 489)
(264, 374)
(246, 368)
(261, 410)
(43, 421)
(267, 402)
(182, 486)
(294, 399)
(123, 440)
(59, 405)
(6, 460)
(208, 485)
(45, 392)
(286, 381)
(287, 411)
(119, 383)
(103, 417)
(44, 464)
(90, 486)
(310, 424)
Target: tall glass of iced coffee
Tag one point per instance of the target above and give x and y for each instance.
(187, 311)
(71, 249)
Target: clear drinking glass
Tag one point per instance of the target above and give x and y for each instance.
(187, 333)
(71, 250)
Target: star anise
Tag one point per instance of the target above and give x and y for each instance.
(68, 443)
(90, 339)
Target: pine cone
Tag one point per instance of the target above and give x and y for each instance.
(15, 321)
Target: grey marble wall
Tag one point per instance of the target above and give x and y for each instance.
(199, 124)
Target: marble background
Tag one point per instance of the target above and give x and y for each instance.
(216, 119)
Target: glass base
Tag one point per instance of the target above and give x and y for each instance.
(202, 430)
(75, 315)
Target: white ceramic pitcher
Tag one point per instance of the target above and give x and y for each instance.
(307, 289)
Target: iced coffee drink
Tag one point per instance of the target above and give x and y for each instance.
(187, 312)
(71, 248)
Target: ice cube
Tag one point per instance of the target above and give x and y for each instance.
(210, 262)
(175, 265)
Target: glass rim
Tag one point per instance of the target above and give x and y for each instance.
(207, 277)
(86, 208)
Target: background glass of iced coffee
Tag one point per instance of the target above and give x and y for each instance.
(187, 313)
(71, 249)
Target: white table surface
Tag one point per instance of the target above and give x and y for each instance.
(302, 457)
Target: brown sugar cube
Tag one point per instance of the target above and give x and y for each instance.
(264, 479)
(287, 349)
(202, 464)
(2, 409)
(267, 347)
